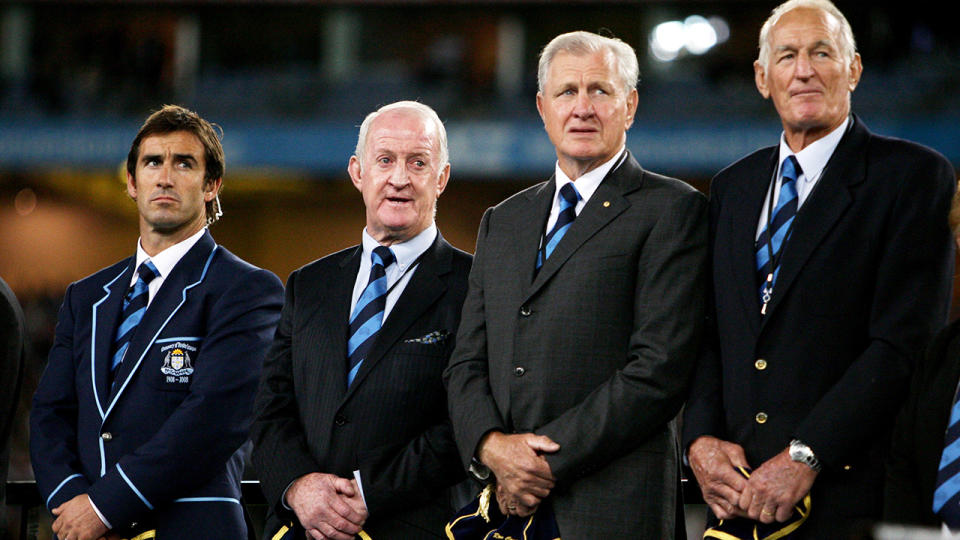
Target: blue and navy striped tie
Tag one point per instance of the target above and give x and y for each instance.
(946, 496)
(780, 223)
(368, 313)
(568, 197)
(134, 306)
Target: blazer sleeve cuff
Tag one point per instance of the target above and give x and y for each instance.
(118, 498)
(68, 488)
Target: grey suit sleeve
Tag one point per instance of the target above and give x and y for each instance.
(470, 400)
(638, 400)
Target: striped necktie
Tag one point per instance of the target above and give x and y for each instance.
(134, 306)
(368, 314)
(946, 496)
(568, 198)
(770, 244)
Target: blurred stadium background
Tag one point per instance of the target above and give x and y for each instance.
(290, 81)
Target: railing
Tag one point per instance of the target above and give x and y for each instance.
(24, 494)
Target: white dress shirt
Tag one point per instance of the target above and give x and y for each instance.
(399, 273)
(812, 159)
(164, 261)
(585, 185)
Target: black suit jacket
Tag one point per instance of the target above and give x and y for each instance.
(919, 433)
(391, 423)
(864, 281)
(594, 351)
(12, 336)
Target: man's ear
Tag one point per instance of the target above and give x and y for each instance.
(131, 186)
(353, 169)
(856, 70)
(760, 78)
(211, 189)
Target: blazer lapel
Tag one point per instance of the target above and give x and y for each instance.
(106, 316)
(423, 289)
(187, 273)
(824, 206)
(742, 247)
(606, 203)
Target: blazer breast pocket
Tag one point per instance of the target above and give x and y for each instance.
(172, 363)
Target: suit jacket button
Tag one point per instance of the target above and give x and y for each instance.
(525, 310)
(519, 371)
(340, 420)
(761, 418)
(107, 436)
(760, 364)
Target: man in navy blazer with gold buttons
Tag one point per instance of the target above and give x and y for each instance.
(137, 432)
(802, 380)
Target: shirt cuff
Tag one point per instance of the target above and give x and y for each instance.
(99, 515)
(283, 497)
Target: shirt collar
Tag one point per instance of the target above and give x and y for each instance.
(168, 258)
(589, 182)
(814, 157)
(406, 252)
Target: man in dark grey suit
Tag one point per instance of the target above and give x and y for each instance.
(832, 263)
(583, 316)
(352, 435)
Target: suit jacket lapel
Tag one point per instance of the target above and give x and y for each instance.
(188, 272)
(823, 207)
(533, 220)
(742, 255)
(328, 342)
(423, 289)
(606, 203)
(106, 317)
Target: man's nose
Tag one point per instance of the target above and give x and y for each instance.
(583, 106)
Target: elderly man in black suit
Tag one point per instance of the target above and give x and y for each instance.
(583, 317)
(12, 337)
(352, 436)
(831, 264)
(924, 454)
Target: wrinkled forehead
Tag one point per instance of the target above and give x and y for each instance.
(596, 65)
(173, 143)
(402, 129)
(806, 24)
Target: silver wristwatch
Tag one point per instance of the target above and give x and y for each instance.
(802, 453)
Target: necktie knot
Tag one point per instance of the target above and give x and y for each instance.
(147, 272)
(383, 256)
(569, 196)
(790, 169)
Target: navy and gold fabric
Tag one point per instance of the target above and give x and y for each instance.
(481, 520)
(746, 529)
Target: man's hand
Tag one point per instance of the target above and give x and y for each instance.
(714, 464)
(77, 520)
(523, 474)
(775, 488)
(327, 506)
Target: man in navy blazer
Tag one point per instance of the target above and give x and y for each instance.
(137, 425)
(360, 444)
(810, 350)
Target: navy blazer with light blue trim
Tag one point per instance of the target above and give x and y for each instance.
(157, 438)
